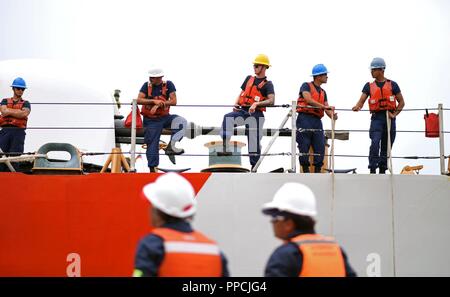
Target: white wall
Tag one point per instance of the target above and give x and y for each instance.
(358, 212)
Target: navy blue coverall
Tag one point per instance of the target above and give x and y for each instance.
(154, 126)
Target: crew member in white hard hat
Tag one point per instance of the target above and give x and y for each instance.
(383, 95)
(293, 212)
(157, 96)
(173, 248)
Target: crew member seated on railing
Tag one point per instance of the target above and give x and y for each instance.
(384, 95)
(13, 120)
(257, 93)
(311, 106)
(157, 96)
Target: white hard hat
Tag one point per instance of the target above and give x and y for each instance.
(155, 72)
(293, 198)
(172, 194)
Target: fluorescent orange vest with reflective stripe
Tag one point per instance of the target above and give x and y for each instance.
(188, 254)
(252, 93)
(160, 111)
(316, 96)
(382, 98)
(322, 256)
(9, 120)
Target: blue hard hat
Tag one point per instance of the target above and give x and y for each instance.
(19, 83)
(377, 63)
(319, 69)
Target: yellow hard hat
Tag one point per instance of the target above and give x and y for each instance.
(262, 60)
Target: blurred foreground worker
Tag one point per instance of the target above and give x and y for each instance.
(13, 120)
(173, 248)
(304, 252)
(257, 93)
(383, 95)
(157, 96)
(311, 106)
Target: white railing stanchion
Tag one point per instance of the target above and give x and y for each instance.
(333, 125)
(133, 136)
(441, 138)
(293, 137)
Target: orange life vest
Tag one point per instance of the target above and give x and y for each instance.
(252, 93)
(382, 98)
(9, 120)
(188, 254)
(322, 256)
(316, 96)
(145, 111)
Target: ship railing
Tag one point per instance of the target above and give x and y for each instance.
(274, 133)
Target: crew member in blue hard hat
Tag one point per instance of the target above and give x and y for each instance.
(383, 94)
(257, 92)
(311, 106)
(157, 96)
(13, 120)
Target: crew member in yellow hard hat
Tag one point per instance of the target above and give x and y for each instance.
(303, 253)
(173, 248)
(257, 93)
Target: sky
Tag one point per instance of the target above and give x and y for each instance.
(207, 47)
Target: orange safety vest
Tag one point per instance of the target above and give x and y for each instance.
(322, 256)
(188, 254)
(12, 121)
(382, 98)
(145, 111)
(316, 96)
(252, 93)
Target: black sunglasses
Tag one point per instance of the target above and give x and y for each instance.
(19, 89)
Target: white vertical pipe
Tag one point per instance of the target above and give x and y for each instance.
(333, 177)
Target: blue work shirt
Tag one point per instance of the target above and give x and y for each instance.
(157, 90)
(305, 88)
(150, 251)
(287, 260)
(26, 104)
